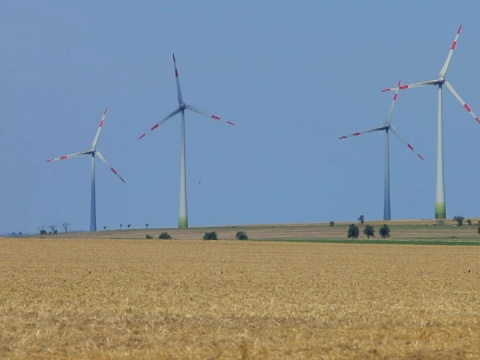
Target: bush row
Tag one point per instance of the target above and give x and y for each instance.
(241, 235)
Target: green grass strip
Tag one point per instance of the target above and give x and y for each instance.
(380, 242)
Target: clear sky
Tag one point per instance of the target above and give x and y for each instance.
(293, 75)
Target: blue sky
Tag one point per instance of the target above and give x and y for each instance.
(294, 76)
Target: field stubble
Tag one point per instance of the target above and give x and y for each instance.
(64, 298)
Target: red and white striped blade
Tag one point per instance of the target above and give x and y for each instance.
(100, 126)
(395, 131)
(157, 125)
(213, 116)
(65, 157)
(394, 101)
(112, 169)
(444, 68)
(362, 132)
(410, 86)
(464, 104)
(177, 79)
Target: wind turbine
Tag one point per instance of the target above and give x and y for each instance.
(93, 152)
(440, 207)
(183, 218)
(387, 127)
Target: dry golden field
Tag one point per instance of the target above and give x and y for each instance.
(192, 299)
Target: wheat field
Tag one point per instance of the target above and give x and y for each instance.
(191, 299)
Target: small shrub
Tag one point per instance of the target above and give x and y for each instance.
(148, 237)
(241, 235)
(458, 220)
(384, 231)
(469, 222)
(210, 236)
(353, 231)
(369, 231)
(164, 236)
(332, 223)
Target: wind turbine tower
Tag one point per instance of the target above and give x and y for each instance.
(182, 106)
(93, 152)
(439, 82)
(387, 127)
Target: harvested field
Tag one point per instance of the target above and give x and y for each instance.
(151, 299)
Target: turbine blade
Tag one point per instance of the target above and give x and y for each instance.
(395, 131)
(410, 86)
(394, 100)
(444, 68)
(154, 127)
(215, 117)
(65, 157)
(362, 132)
(179, 90)
(464, 104)
(112, 169)
(100, 126)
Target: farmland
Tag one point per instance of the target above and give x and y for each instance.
(117, 295)
(408, 230)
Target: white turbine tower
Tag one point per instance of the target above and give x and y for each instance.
(440, 207)
(387, 127)
(93, 152)
(183, 218)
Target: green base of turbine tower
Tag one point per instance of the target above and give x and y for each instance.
(183, 223)
(440, 211)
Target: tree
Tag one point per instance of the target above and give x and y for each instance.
(41, 230)
(128, 226)
(369, 231)
(361, 218)
(458, 220)
(65, 226)
(332, 223)
(469, 222)
(148, 237)
(146, 225)
(210, 236)
(478, 229)
(241, 235)
(384, 231)
(104, 228)
(121, 226)
(164, 236)
(53, 229)
(353, 231)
